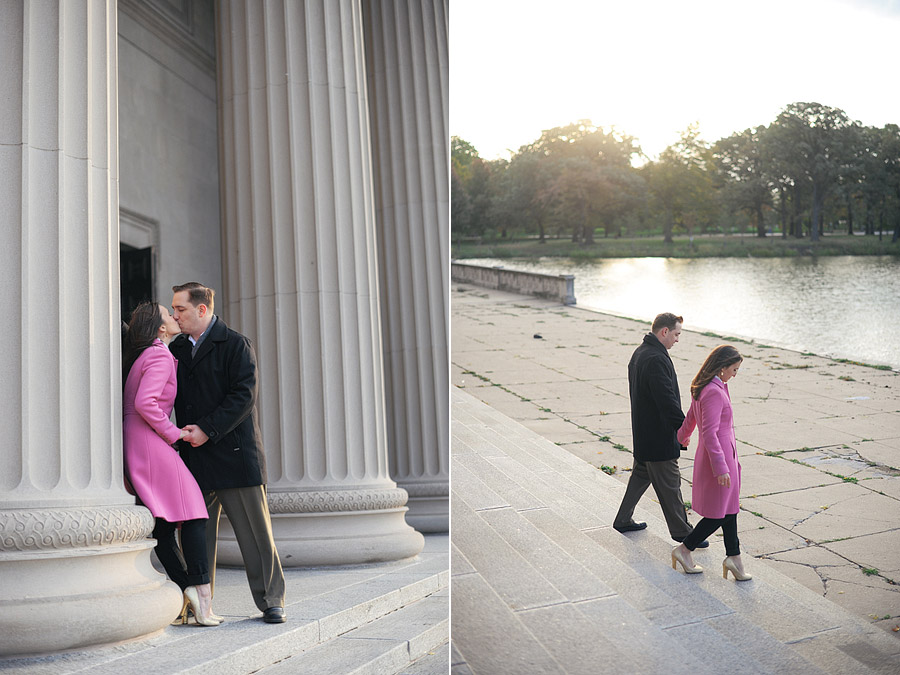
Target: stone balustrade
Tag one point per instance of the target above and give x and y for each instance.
(555, 287)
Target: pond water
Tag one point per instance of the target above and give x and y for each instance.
(845, 307)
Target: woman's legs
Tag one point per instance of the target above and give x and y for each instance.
(701, 532)
(729, 530)
(193, 544)
(169, 553)
(187, 565)
(189, 568)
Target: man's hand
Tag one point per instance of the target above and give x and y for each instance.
(724, 479)
(195, 435)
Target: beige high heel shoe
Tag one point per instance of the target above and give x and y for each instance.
(676, 555)
(192, 596)
(728, 564)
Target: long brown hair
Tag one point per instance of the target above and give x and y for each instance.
(142, 331)
(719, 358)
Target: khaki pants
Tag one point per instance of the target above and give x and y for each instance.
(248, 512)
(666, 481)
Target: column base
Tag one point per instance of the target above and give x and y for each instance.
(429, 514)
(69, 599)
(340, 526)
(429, 504)
(324, 539)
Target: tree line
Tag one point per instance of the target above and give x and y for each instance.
(811, 171)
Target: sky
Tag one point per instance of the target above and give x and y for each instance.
(650, 68)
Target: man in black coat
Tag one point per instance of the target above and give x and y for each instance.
(216, 404)
(656, 417)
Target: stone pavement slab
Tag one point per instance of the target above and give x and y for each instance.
(497, 641)
(842, 419)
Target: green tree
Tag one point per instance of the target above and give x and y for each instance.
(746, 185)
(812, 143)
(586, 176)
(471, 190)
(681, 184)
(520, 196)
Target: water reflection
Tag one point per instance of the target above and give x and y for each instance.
(844, 306)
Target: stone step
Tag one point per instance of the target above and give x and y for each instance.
(390, 644)
(323, 605)
(435, 662)
(540, 575)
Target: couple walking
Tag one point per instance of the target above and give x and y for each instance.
(191, 360)
(661, 431)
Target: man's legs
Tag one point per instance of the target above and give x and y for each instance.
(666, 480)
(214, 509)
(248, 512)
(638, 483)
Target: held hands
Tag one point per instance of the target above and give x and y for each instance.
(724, 480)
(194, 435)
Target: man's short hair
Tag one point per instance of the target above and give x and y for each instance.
(665, 320)
(197, 293)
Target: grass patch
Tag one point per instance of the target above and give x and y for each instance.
(864, 365)
(870, 572)
(703, 246)
(846, 479)
(609, 470)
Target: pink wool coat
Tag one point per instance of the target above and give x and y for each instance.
(716, 452)
(156, 472)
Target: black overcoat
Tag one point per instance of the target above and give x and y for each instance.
(656, 412)
(217, 391)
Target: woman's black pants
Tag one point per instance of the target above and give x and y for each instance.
(190, 568)
(707, 526)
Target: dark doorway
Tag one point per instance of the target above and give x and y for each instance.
(137, 270)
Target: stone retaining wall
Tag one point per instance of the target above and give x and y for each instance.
(555, 287)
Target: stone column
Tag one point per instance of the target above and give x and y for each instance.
(74, 554)
(301, 277)
(406, 46)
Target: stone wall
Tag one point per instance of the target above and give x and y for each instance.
(168, 141)
(559, 287)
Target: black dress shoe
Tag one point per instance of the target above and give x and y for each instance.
(274, 615)
(631, 527)
(702, 544)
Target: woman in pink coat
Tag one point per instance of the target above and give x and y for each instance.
(717, 471)
(153, 469)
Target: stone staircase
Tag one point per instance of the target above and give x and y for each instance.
(385, 619)
(541, 583)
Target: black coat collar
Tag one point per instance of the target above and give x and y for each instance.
(653, 341)
(181, 346)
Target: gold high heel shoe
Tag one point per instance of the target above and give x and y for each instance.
(676, 555)
(193, 597)
(728, 564)
(184, 614)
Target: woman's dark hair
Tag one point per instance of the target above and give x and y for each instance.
(142, 331)
(719, 358)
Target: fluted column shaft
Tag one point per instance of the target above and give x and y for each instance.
(301, 276)
(406, 45)
(74, 554)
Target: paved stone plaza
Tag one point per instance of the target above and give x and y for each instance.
(819, 440)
